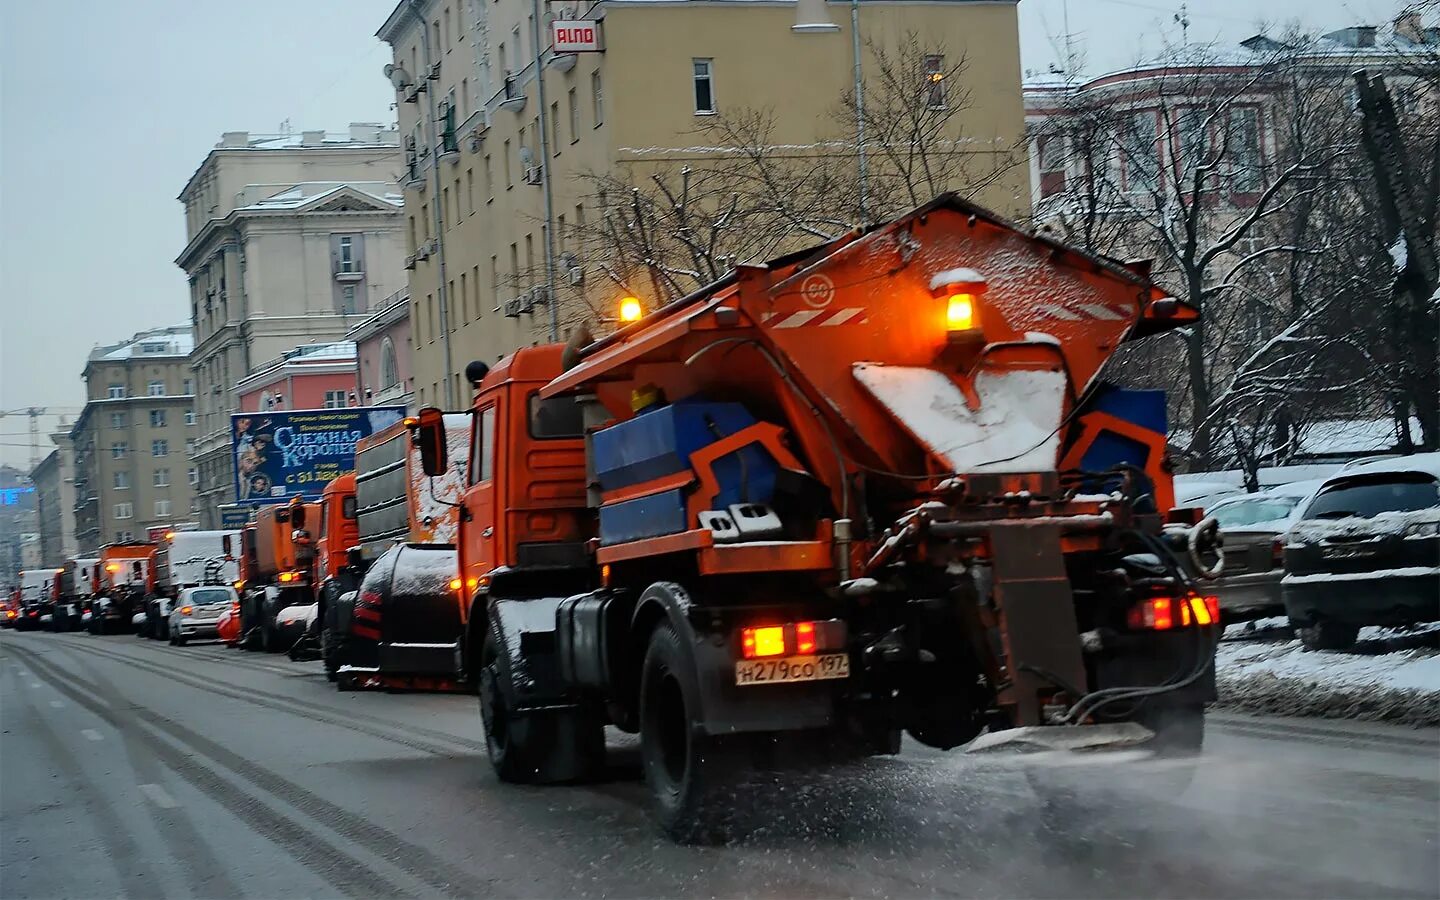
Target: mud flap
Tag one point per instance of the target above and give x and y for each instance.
(1038, 627)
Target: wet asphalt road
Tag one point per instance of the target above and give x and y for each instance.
(130, 768)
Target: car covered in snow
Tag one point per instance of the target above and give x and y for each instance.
(1253, 528)
(1366, 551)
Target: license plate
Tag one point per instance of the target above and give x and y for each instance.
(792, 668)
(1346, 552)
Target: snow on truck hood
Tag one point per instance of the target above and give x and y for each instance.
(1016, 428)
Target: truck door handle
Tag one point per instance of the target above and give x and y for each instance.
(488, 532)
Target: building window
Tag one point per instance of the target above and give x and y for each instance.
(335, 400)
(193, 474)
(190, 448)
(389, 368)
(157, 418)
(162, 477)
(122, 537)
(156, 389)
(124, 510)
(597, 98)
(1052, 155)
(470, 192)
(162, 507)
(1142, 164)
(117, 420)
(509, 178)
(189, 417)
(348, 262)
(119, 449)
(190, 386)
(122, 481)
(159, 448)
(704, 86)
(934, 69)
(347, 300)
(489, 181)
(115, 391)
(1243, 146)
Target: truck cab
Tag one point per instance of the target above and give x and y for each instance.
(338, 530)
(279, 558)
(523, 509)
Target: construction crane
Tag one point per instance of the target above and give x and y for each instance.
(34, 412)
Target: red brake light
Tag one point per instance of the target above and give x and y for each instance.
(804, 638)
(1165, 613)
(1277, 554)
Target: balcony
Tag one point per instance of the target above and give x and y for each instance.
(348, 271)
(514, 95)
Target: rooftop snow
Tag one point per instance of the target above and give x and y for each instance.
(176, 340)
(299, 195)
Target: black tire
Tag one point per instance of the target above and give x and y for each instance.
(1328, 636)
(690, 775)
(548, 746)
(179, 640)
(249, 632)
(329, 653)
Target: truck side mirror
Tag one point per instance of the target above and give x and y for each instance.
(297, 516)
(229, 547)
(135, 569)
(353, 558)
(430, 434)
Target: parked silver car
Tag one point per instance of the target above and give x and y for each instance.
(1253, 526)
(196, 612)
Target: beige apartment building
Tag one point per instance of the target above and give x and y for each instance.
(132, 441)
(469, 107)
(54, 480)
(290, 240)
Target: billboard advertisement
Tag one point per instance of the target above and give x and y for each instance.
(280, 455)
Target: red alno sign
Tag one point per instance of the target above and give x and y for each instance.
(575, 36)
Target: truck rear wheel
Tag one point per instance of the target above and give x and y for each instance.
(688, 772)
(542, 746)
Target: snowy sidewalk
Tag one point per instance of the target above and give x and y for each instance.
(1390, 675)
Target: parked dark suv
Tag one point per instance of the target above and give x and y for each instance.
(1366, 551)
(402, 627)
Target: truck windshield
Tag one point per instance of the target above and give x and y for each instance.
(558, 417)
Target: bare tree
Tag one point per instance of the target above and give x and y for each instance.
(753, 196)
(1240, 225)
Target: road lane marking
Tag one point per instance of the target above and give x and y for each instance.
(158, 796)
(35, 684)
(56, 704)
(92, 735)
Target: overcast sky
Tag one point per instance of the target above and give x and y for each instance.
(107, 108)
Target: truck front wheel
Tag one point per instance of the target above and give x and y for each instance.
(688, 772)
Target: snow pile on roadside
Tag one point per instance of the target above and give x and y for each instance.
(1393, 675)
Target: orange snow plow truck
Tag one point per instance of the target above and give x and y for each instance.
(873, 488)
